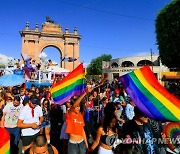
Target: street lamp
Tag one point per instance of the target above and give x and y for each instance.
(152, 58)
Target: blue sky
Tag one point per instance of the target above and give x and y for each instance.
(121, 28)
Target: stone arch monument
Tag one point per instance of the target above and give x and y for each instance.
(51, 34)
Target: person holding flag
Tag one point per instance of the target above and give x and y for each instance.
(5, 138)
(75, 128)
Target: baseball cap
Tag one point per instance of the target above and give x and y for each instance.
(34, 99)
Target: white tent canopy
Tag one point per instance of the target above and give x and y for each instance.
(57, 70)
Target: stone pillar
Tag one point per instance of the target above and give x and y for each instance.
(66, 30)
(26, 46)
(75, 55)
(75, 30)
(37, 27)
(27, 25)
(65, 53)
(36, 53)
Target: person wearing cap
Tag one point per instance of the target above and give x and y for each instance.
(138, 134)
(29, 121)
(118, 96)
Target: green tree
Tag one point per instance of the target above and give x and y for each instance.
(95, 66)
(168, 34)
(2, 66)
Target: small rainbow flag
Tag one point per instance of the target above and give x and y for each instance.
(150, 96)
(4, 141)
(72, 85)
(172, 132)
(103, 79)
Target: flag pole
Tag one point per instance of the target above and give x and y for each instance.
(98, 119)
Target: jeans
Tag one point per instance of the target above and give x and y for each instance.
(14, 138)
(76, 148)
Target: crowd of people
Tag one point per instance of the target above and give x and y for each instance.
(102, 120)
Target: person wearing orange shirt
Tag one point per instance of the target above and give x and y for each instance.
(75, 128)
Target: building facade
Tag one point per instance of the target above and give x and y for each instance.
(120, 66)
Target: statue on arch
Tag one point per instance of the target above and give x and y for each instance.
(48, 19)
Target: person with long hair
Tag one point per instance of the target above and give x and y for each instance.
(107, 134)
(2, 100)
(46, 125)
(63, 135)
(75, 128)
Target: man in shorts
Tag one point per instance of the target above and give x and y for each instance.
(29, 121)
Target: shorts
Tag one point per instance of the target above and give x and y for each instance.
(27, 140)
(45, 124)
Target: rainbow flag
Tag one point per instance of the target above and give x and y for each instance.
(72, 85)
(150, 96)
(4, 141)
(103, 79)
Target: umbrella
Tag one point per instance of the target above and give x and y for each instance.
(11, 80)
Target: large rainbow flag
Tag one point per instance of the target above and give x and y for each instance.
(72, 85)
(4, 141)
(150, 96)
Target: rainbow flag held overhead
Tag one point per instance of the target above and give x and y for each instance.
(4, 141)
(71, 85)
(150, 96)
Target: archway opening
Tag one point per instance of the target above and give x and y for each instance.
(127, 64)
(114, 65)
(144, 62)
(53, 54)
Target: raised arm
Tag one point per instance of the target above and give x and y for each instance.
(78, 101)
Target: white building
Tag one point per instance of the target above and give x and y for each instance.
(120, 66)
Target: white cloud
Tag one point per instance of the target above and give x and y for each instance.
(5, 59)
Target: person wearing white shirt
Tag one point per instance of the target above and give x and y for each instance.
(130, 110)
(22, 95)
(29, 121)
(10, 117)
